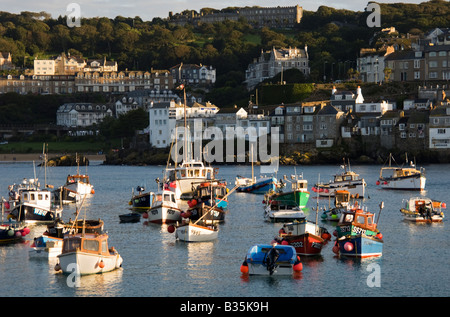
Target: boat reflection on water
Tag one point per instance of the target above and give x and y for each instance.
(105, 284)
(199, 260)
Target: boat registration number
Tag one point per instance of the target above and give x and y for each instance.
(358, 230)
(40, 212)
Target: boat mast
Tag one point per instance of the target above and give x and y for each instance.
(185, 126)
(253, 174)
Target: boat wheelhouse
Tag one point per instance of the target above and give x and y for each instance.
(181, 178)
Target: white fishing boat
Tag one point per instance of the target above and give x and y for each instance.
(401, 177)
(198, 230)
(192, 232)
(36, 206)
(347, 180)
(422, 209)
(87, 253)
(164, 208)
(274, 212)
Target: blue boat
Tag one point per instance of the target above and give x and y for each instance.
(360, 246)
(358, 235)
(256, 186)
(266, 259)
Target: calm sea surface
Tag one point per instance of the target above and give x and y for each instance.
(415, 259)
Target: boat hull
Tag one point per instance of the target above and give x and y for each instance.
(306, 244)
(142, 201)
(36, 214)
(261, 186)
(11, 232)
(283, 215)
(87, 263)
(360, 246)
(404, 183)
(261, 260)
(292, 198)
(416, 217)
(163, 214)
(130, 218)
(196, 233)
(46, 247)
(356, 190)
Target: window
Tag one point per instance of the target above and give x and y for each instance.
(416, 75)
(416, 63)
(433, 64)
(403, 135)
(90, 245)
(432, 75)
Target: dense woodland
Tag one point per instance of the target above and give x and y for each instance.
(334, 38)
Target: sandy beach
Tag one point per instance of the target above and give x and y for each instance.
(38, 157)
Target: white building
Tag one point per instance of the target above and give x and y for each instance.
(276, 61)
(439, 128)
(78, 115)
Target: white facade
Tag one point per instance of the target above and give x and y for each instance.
(78, 115)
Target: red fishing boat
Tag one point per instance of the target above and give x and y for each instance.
(305, 236)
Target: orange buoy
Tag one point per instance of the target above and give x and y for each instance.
(101, 264)
(244, 267)
(92, 191)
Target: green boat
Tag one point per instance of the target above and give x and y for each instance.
(297, 196)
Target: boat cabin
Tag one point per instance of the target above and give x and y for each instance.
(211, 189)
(300, 184)
(164, 196)
(89, 243)
(347, 176)
(77, 178)
(342, 198)
(191, 170)
(40, 198)
(358, 218)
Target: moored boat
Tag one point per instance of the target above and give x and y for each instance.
(36, 206)
(305, 236)
(276, 259)
(297, 195)
(401, 177)
(260, 185)
(130, 217)
(87, 253)
(164, 207)
(422, 209)
(12, 231)
(181, 178)
(195, 232)
(357, 235)
(141, 200)
(341, 203)
(347, 180)
(276, 212)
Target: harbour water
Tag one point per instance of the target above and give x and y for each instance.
(415, 260)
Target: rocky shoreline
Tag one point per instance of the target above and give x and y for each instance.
(37, 157)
